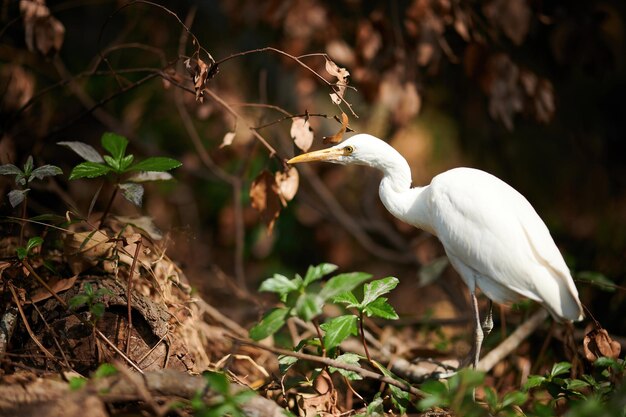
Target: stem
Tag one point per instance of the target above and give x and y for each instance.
(109, 204)
(362, 331)
(23, 219)
(319, 335)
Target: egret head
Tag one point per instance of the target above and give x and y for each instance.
(361, 149)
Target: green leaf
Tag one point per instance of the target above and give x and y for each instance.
(132, 192)
(113, 163)
(125, 162)
(44, 171)
(33, 242)
(270, 324)
(88, 288)
(596, 278)
(10, 169)
(514, 398)
(243, 397)
(16, 197)
(375, 289)
(77, 301)
(97, 310)
(308, 306)
(534, 381)
(85, 151)
(279, 284)
(28, 166)
(560, 368)
(218, 382)
(158, 163)
(348, 298)
(114, 144)
(350, 359)
(77, 383)
(576, 384)
(399, 397)
(381, 308)
(285, 362)
(342, 283)
(21, 253)
(104, 370)
(338, 329)
(89, 170)
(436, 395)
(491, 398)
(315, 273)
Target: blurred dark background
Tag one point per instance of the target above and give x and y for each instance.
(531, 91)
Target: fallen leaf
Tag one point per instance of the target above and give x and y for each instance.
(301, 133)
(228, 139)
(338, 137)
(57, 285)
(265, 199)
(287, 183)
(85, 249)
(598, 343)
(342, 80)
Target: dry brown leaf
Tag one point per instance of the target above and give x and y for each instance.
(85, 249)
(598, 343)
(287, 183)
(43, 32)
(265, 199)
(301, 133)
(228, 139)
(57, 285)
(200, 73)
(338, 137)
(342, 80)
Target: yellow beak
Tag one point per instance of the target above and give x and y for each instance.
(329, 154)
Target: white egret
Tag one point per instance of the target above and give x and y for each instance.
(492, 236)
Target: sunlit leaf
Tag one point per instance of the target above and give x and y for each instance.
(147, 176)
(346, 298)
(301, 133)
(89, 170)
(33, 242)
(217, 381)
(279, 284)
(308, 306)
(269, 324)
(317, 272)
(157, 163)
(104, 370)
(338, 329)
(381, 308)
(85, 151)
(349, 359)
(9, 169)
(560, 368)
(342, 283)
(375, 289)
(44, 171)
(285, 362)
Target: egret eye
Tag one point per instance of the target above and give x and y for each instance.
(348, 150)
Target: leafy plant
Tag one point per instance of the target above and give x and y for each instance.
(456, 394)
(23, 177)
(90, 298)
(119, 165)
(301, 297)
(229, 403)
(24, 252)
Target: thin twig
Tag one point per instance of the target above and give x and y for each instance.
(362, 331)
(17, 302)
(512, 342)
(86, 322)
(54, 336)
(129, 295)
(336, 364)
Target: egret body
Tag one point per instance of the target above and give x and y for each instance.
(492, 236)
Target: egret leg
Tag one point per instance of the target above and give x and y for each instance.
(488, 322)
(478, 331)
